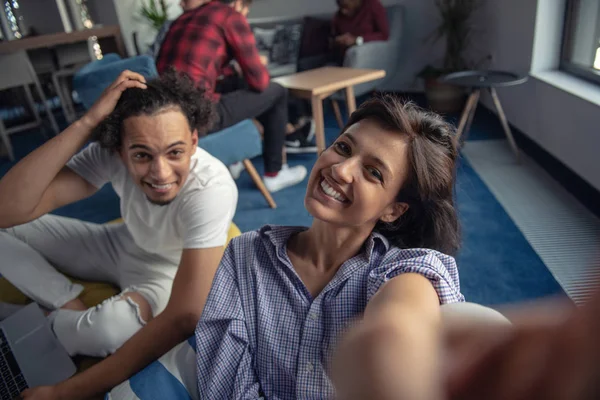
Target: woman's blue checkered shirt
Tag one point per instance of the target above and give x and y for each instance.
(261, 332)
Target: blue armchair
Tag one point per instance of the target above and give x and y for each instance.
(248, 144)
(91, 80)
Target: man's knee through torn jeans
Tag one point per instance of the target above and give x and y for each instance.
(98, 331)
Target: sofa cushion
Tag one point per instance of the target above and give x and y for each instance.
(264, 38)
(315, 37)
(281, 42)
(286, 44)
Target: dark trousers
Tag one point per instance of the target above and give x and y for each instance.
(269, 107)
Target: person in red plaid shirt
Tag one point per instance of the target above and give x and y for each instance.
(202, 43)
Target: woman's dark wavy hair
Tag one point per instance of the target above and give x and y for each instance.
(431, 220)
(172, 89)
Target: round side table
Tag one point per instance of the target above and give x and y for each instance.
(477, 81)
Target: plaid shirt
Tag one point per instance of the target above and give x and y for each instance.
(202, 42)
(262, 334)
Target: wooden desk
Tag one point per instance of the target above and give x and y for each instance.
(104, 34)
(318, 84)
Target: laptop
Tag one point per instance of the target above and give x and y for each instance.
(30, 354)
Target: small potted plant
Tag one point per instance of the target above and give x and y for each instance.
(457, 27)
(153, 13)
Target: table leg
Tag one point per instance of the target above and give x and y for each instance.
(467, 127)
(47, 107)
(317, 112)
(64, 102)
(31, 104)
(338, 113)
(4, 139)
(467, 115)
(504, 122)
(259, 182)
(350, 100)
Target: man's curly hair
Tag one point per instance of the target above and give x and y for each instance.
(172, 89)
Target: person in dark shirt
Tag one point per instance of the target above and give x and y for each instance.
(358, 22)
(201, 43)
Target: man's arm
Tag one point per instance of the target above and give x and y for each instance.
(243, 45)
(382, 31)
(40, 182)
(175, 324)
(393, 353)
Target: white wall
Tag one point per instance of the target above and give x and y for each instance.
(421, 18)
(128, 13)
(103, 12)
(565, 125)
(42, 15)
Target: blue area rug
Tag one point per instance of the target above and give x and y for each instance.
(497, 265)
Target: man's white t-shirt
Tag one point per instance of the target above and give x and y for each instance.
(199, 217)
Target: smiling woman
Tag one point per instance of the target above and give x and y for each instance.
(381, 198)
(404, 154)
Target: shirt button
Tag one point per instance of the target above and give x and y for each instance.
(313, 316)
(309, 367)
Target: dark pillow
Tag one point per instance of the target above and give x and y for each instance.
(315, 37)
(264, 38)
(286, 44)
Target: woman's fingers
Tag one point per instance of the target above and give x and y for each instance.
(545, 357)
(505, 371)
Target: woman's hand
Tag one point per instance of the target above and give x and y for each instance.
(111, 95)
(545, 356)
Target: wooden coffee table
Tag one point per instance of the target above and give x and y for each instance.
(318, 84)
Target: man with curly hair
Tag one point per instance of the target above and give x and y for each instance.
(177, 203)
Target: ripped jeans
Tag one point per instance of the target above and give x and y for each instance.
(33, 255)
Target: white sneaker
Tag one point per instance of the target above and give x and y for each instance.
(286, 177)
(236, 169)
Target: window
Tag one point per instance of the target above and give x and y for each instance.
(581, 40)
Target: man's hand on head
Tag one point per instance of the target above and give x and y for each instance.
(111, 95)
